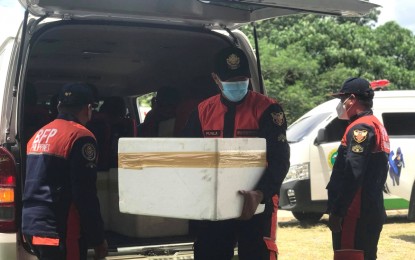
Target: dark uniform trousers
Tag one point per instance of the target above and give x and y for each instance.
(359, 232)
(217, 239)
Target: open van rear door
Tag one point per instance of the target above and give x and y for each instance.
(213, 13)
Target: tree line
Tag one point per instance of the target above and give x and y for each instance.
(306, 57)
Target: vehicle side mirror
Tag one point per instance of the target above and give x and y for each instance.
(321, 137)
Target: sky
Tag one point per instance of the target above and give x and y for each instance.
(11, 14)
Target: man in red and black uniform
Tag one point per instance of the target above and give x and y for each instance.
(239, 112)
(355, 190)
(61, 212)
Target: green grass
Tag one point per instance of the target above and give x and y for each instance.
(397, 240)
(396, 204)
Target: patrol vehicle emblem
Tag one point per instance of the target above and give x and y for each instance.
(278, 118)
(359, 135)
(88, 152)
(233, 62)
(332, 157)
(357, 148)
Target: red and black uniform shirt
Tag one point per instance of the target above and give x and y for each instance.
(60, 197)
(361, 165)
(254, 116)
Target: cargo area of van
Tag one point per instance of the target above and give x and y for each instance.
(122, 62)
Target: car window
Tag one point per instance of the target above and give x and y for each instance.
(301, 128)
(335, 130)
(399, 123)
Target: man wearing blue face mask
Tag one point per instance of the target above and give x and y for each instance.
(239, 112)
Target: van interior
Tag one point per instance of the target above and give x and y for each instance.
(121, 62)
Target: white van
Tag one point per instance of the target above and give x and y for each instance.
(126, 49)
(315, 137)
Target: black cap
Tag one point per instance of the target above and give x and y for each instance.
(231, 62)
(357, 86)
(76, 94)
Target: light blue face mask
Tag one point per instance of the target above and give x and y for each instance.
(235, 91)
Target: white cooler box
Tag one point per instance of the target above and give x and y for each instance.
(140, 226)
(189, 178)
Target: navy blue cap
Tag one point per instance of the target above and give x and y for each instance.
(357, 86)
(231, 62)
(76, 94)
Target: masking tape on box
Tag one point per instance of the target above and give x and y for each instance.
(228, 159)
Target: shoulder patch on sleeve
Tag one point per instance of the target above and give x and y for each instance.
(89, 152)
(357, 148)
(278, 118)
(359, 135)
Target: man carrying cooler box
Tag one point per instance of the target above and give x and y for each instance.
(239, 112)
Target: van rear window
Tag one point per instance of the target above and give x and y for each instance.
(301, 128)
(399, 123)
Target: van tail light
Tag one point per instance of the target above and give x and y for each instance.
(7, 192)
